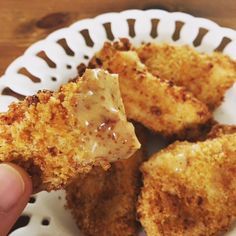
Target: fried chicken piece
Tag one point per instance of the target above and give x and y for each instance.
(155, 103)
(206, 76)
(55, 136)
(104, 202)
(190, 188)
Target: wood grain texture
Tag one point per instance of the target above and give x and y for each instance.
(24, 22)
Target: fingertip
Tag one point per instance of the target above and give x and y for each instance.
(25, 178)
(15, 190)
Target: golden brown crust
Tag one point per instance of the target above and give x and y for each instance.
(157, 104)
(190, 188)
(103, 202)
(57, 135)
(206, 76)
(220, 129)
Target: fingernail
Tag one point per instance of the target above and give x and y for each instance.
(11, 187)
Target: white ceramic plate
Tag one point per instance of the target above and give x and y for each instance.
(138, 26)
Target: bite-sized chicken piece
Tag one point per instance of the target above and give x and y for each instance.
(55, 136)
(190, 188)
(206, 76)
(157, 104)
(104, 202)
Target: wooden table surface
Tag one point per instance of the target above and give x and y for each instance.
(23, 22)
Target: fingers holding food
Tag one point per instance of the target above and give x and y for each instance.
(57, 135)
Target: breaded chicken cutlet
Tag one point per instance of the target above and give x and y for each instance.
(190, 188)
(206, 76)
(104, 202)
(157, 104)
(55, 136)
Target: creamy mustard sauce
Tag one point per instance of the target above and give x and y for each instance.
(105, 130)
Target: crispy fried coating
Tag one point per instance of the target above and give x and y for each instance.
(55, 136)
(157, 104)
(104, 202)
(220, 129)
(206, 76)
(190, 188)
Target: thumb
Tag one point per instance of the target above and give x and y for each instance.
(15, 189)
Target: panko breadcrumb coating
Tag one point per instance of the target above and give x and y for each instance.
(157, 104)
(55, 136)
(104, 202)
(190, 188)
(206, 76)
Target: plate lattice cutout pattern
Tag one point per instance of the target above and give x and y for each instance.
(49, 63)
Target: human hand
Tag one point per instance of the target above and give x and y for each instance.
(15, 190)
